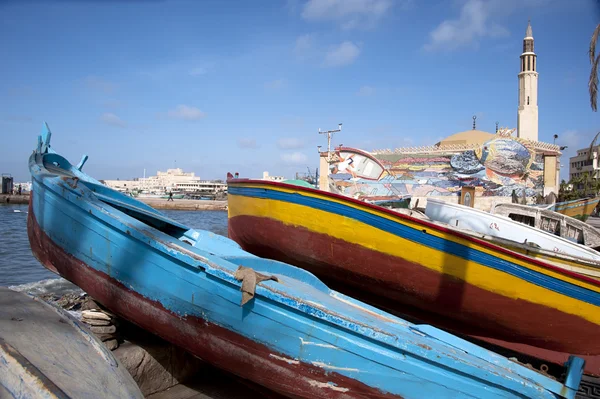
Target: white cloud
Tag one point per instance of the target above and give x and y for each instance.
(111, 104)
(199, 71)
(294, 158)
(292, 122)
(349, 14)
(305, 45)
(276, 84)
(247, 143)
(473, 24)
(99, 84)
(290, 143)
(112, 119)
(186, 112)
(177, 69)
(341, 55)
(366, 91)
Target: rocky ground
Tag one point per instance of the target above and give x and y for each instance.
(160, 369)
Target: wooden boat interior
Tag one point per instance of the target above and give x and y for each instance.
(212, 243)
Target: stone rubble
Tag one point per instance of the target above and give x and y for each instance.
(101, 322)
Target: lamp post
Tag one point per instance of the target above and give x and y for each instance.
(329, 133)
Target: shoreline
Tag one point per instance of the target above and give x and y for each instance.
(186, 205)
(157, 203)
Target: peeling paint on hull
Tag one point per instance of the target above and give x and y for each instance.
(210, 342)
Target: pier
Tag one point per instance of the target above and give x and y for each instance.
(14, 199)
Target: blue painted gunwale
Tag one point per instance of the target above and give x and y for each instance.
(344, 335)
(428, 240)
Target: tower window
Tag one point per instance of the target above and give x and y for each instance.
(528, 63)
(527, 100)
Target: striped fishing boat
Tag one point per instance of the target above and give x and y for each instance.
(418, 268)
(579, 209)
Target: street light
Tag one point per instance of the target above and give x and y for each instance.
(564, 147)
(555, 137)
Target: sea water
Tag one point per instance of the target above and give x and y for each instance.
(20, 270)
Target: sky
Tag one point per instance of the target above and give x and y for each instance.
(244, 86)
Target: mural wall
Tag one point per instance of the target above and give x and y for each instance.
(497, 168)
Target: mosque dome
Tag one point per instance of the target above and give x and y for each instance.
(467, 137)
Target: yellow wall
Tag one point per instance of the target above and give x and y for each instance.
(550, 174)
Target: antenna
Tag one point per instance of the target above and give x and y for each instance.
(474, 119)
(497, 126)
(329, 133)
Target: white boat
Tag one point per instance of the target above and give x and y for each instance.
(467, 218)
(572, 263)
(552, 222)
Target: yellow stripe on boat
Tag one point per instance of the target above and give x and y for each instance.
(356, 232)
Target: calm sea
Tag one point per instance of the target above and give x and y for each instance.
(21, 271)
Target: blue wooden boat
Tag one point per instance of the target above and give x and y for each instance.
(47, 353)
(262, 320)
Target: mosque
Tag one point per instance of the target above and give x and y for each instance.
(495, 164)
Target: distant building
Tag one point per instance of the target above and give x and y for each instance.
(272, 178)
(25, 186)
(171, 180)
(584, 163)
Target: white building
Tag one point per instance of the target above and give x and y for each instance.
(272, 178)
(171, 180)
(527, 116)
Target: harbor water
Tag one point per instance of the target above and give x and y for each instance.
(21, 271)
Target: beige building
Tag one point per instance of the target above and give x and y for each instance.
(584, 163)
(527, 117)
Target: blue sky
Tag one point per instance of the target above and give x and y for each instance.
(218, 86)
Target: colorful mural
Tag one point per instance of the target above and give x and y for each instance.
(496, 168)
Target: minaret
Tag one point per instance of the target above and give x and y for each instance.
(527, 118)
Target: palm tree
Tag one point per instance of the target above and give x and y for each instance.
(576, 182)
(596, 186)
(587, 179)
(563, 185)
(595, 61)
